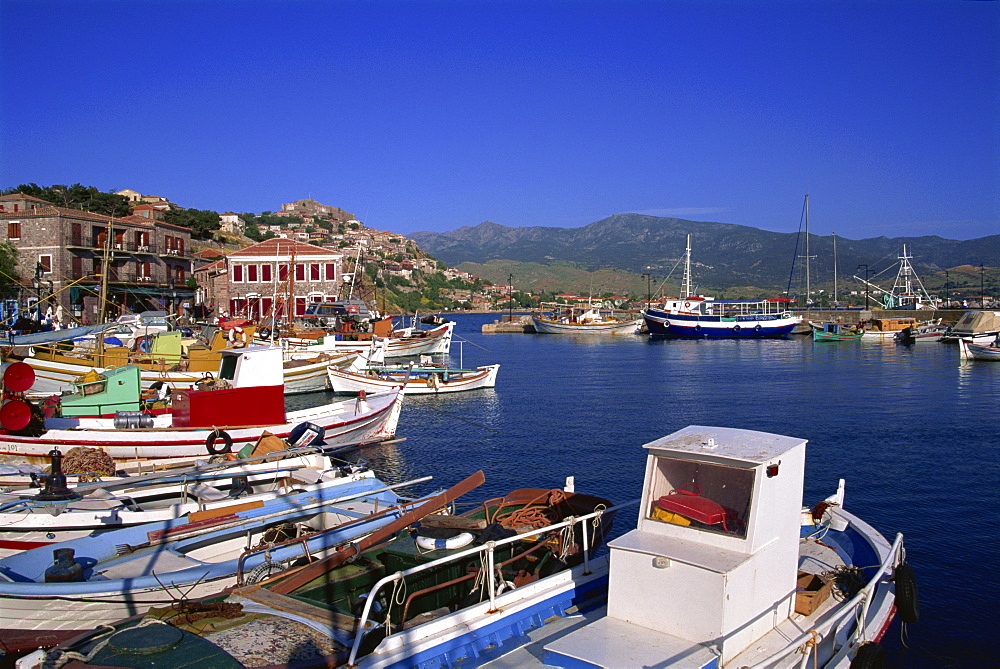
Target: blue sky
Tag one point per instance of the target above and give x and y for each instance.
(434, 115)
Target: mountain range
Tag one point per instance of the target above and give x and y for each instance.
(723, 254)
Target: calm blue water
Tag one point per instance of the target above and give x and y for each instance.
(913, 431)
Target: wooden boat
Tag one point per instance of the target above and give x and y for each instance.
(30, 518)
(836, 332)
(400, 343)
(885, 329)
(574, 319)
(928, 331)
(103, 578)
(971, 351)
(235, 407)
(422, 379)
(169, 361)
(524, 534)
(749, 578)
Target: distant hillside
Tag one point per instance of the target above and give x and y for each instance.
(724, 254)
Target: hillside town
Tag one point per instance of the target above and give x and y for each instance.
(70, 262)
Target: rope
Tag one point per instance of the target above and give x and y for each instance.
(55, 658)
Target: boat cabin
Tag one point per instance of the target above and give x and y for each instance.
(248, 390)
(712, 565)
(104, 393)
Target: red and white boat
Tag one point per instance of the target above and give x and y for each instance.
(248, 399)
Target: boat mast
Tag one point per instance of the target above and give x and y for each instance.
(807, 256)
(834, 235)
(686, 289)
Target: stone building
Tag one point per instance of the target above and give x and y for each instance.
(310, 207)
(62, 255)
(266, 277)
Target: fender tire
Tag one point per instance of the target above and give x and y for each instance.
(869, 655)
(907, 601)
(213, 437)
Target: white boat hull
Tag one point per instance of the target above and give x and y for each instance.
(343, 381)
(549, 326)
(347, 423)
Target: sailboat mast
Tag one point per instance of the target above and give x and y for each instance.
(687, 268)
(834, 235)
(808, 287)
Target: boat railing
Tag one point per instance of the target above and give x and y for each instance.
(863, 600)
(491, 578)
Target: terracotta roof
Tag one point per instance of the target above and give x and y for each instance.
(280, 247)
(22, 196)
(219, 264)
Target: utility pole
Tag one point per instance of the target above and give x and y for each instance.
(649, 290)
(982, 286)
(510, 298)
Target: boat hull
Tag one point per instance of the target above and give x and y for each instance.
(549, 326)
(694, 326)
(342, 381)
(347, 424)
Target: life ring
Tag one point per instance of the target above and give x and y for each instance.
(756, 328)
(238, 331)
(907, 602)
(215, 435)
(458, 541)
(144, 344)
(264, 333)
(736, 328)
(697, 328)
(687, 305)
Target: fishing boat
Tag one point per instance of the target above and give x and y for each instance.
(907, 291)
(885, 329)
(699, 317)
(928, 331)
(235, 407)
(971, 351)
(33, 517)
(590, 320)
(100, 579)
(724, 569)
(166, 359)
(422, 379)
(836, 332)
(977, 327)
(409, 341)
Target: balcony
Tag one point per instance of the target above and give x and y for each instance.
(82, 242)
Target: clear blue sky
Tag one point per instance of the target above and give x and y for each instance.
(433, 115)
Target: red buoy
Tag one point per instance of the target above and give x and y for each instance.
(15, 415)
(18, 376)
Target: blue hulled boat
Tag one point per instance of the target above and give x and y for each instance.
(699, 317)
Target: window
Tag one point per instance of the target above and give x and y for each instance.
(265, 273)
(300, 306)
(252, 273)
(331, 271)
(238, 273)
(14, 229)
(314, 272)
(300, 272)
(45, 263)
(76, 267)
(702, 495)
(282, 272)
(178, 275)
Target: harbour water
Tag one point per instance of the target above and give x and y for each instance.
(913, 430)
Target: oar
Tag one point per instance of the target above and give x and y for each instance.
(330, 562)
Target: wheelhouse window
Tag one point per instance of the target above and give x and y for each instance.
(701, 495)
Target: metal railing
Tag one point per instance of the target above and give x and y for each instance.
(862, 599)
(489, 548)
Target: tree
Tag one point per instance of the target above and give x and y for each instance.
(77, 196)
(9, 277)
(201, 222)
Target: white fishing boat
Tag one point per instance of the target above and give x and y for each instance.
(235, 408)
(725, 569)
(30, 518)
(586, 320)
(926, 332)
(907, 291)
(977, 327)
(100, 579)
(423, 379)
(971, 351)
